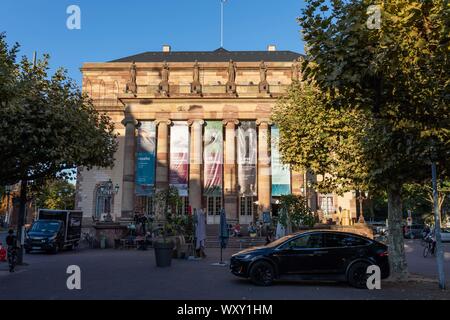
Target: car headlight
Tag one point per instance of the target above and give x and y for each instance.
(245, 256)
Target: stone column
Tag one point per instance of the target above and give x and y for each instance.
(130, 125)
(229, 170)
(195, 167)
(264, 168)
(162, 155)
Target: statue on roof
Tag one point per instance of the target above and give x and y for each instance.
(131, 86)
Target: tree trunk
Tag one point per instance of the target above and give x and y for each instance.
(21, 219)
(397, 258)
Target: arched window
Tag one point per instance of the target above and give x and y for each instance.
(103, 198)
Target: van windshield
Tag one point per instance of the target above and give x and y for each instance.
(46, 226)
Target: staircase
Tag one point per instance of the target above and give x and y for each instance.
(213, 241)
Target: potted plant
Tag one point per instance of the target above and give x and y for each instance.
(166, 203)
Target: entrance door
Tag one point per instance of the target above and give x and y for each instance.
(214, 207)
(247, 210)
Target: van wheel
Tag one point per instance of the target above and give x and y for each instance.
(262, 273)
(357, 275)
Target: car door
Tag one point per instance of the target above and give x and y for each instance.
(341, 250)
(300, 255)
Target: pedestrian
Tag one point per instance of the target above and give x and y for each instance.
(237, 230)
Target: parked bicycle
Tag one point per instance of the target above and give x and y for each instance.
(88, 240)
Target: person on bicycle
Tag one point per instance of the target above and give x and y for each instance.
(11, 242)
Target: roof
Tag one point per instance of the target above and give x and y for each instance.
(219, 55)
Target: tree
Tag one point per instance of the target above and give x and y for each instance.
(47, 126)
(393, 82)
(55, 194)
(419, 197)
(298, 213)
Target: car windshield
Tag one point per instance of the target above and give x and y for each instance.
(46, 226)
(277, 242)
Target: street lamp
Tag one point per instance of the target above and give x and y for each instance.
(362, 195)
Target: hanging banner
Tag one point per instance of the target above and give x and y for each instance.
(145, 159)
(213, 159)
(179, 157)
(281, 173)
(247, 157)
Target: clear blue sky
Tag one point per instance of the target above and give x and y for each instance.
(112, 29)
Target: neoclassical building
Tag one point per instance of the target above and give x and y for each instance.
(199, 121)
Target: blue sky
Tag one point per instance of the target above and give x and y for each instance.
(115, 29)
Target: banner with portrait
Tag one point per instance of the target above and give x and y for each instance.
(179, 157)
(247, 158)
(213, 159)
(145, 159)
(281, 173)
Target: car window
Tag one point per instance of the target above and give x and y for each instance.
(305, 242)
(334, 240)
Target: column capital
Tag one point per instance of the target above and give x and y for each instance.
(130, 120)
(230, 121)
(163, 121)
(192, 122)
(264, 122)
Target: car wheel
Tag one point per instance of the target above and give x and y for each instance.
(357, 275)
(262, 273)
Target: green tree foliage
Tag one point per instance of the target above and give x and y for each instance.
(46, 124)
(55, 194)
(298, 212)
(385, 95)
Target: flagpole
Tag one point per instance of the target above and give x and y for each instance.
(222, 2)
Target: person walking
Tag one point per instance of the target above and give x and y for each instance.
(11, 242)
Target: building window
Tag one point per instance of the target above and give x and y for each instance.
(214, 205)
(103, 202)
(247, 206)
(183, 208)
(145, 205)
(326, 203)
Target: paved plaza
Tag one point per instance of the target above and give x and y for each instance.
(123, 274)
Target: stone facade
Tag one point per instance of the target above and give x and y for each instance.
(194, 91)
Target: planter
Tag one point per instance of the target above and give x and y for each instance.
(163, 254)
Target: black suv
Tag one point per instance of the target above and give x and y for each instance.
(313, 255)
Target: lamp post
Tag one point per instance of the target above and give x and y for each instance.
(361, 196)
(108, 190)
(437, 221)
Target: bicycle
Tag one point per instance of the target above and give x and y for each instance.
(428, 248)
(88, 239)
(12, 259)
